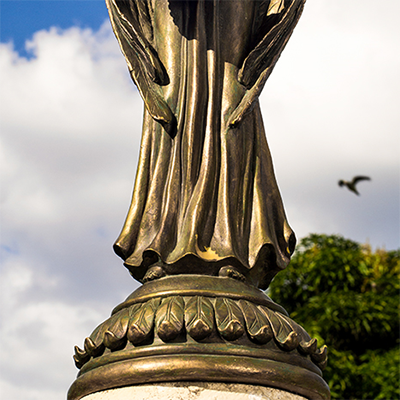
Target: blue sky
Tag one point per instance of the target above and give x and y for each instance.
(70, 136)
(19, 20)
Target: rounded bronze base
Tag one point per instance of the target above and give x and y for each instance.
(190, 327)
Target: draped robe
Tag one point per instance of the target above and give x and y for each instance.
(205, 194)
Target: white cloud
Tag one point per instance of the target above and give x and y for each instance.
(16, 279)
(37, 344)
(70, 123)
(330, 112)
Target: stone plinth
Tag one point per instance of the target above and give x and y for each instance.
(194, 391)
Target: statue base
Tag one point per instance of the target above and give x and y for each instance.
(200, 328)
(194, 391)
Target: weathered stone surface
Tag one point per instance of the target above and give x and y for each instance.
(194, 391)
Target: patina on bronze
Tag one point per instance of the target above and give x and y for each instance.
(206, 229)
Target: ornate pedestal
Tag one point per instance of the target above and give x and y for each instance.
(200, 328)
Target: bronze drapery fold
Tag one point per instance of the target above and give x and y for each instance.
(205, 195)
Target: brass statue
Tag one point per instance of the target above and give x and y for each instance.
(206, 229)
(205, 198)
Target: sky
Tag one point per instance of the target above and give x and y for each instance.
(70, 134)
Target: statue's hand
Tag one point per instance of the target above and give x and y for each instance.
(275, 30)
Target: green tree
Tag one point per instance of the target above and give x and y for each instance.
(347, 296)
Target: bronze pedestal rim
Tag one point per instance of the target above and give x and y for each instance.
(199, 285)
(198, 367)
(198, 349)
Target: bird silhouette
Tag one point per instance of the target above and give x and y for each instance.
(351, 185)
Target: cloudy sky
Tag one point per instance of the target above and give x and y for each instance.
(70, 131)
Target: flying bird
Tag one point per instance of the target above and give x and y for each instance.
(351, 185)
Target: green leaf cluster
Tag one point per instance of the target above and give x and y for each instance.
(347, 296)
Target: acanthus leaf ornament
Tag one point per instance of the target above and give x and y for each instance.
(169, 318)
(258, 326)
(199, 317)
(142, 321)
(229, 319)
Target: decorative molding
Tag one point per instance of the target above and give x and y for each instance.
(211, 329)
(198, 317)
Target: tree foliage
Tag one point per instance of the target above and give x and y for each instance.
(347, 296)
